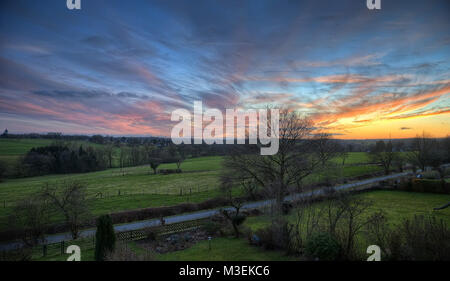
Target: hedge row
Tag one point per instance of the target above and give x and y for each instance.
(169, 171)
(425, 185)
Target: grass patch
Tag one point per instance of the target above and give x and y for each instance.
(224, 249)
(397, 205)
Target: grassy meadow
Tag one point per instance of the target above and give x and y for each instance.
(117, 189)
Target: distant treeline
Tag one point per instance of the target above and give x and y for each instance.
(61, 159)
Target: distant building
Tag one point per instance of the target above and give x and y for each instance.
(5, 133)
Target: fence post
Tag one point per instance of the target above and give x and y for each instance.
(44, 250)
(62, 247)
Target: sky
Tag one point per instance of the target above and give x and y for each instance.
(121, 67)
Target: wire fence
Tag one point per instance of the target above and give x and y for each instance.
(185, 191)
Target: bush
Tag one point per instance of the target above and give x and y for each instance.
(446, 171)
(151, 234)
(276, 236)
(105, 239)
(431, 175)
(238, 220)
(212, 228)
(323, 246)
(426, 238)
(420, 239)
(169, 171)
(2, 169)
(286, 208)
(123, 253)
(432, 186)
(425, 185)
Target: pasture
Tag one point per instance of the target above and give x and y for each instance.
(117, 189)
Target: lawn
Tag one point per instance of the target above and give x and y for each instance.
(224, 249)
(20, 146)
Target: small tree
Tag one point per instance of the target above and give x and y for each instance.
(31, 217)
(105, 238)
(2, 170)
(109, 150)
(234, 217)
(422, 150)
(180, 159)
(384, 154)
(71, 201)
(154, 163)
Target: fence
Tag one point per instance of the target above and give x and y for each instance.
(185, 191)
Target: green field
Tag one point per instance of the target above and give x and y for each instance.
(116, 189)
(20, 146)
(138, 186)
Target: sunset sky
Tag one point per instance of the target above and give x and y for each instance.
(121, 67)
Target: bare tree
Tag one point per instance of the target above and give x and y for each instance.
(296, 158)
(2, 169)
(234, 217)
(326, 148)
(153, 157)
(353, 220)
(384, 154)
(109, 150)
(31, 217)
(123, 158)
(179, 159)
(422, 150)
(71, 201)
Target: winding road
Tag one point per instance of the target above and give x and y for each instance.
(56, 238)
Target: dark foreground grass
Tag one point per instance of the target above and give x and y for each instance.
(222, 249)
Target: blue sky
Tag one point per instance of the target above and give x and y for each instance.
(121, 67)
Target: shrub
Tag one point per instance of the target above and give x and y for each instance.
(426, 238)
(212, 227)
(105, 238)
(2, 169)
(432, 186)
(169, 171)
(447, 171)
(425, 185)
(421, 239)
(238, 220)
(151, 234)
(286, 208)
(431, 175)
(323, 246)
(123, 253)
(276, 236)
